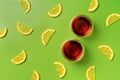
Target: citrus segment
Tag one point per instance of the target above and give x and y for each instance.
(23, 29)
(35, 76)
(25, 5)
(90, 73)
(3, 32)
(107, 51)
(112, 18)
(60, 69)
(46, 36)
(93, 5)
(20, 58)
(56, 11)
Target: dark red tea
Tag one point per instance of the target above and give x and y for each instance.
(73, 50)
(81, 25)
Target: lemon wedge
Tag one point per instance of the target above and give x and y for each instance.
(46, 35)
(112, 18)
(90, 73)
(23, 29)
(107, 51)
(25, 5)
(3, 32)
(20, 58)
(61, 69)
(35, 76)
(56, 11)
(93, 5)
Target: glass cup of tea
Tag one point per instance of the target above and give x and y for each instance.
(73, 50)
(82, 25)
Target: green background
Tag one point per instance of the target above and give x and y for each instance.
(40, 57)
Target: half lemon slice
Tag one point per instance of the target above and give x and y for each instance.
(60, 69)
(23, 29)
(90, 73)
(3, 32)
(93, 5)
(46, 36)
(25, 5)
(35, 76)
(20, 58)
(56, 11)
(112, 18)
(107, 51)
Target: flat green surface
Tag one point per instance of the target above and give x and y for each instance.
(40, 57)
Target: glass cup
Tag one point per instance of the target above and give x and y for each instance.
(82, 25)
(73, 50)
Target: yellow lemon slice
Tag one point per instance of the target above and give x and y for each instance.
(90, 73)
(3, 32)
(112, 18)
(23, 29)
(56, 11)
(20, 58)
(93, 5)
(25, 5)
(107, 51)
(60, 69)
(35, 76)
(46, 35)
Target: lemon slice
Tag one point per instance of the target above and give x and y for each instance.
(112, 18)
(93, 5)
(46, 36)
(107, 51)
(56, 11)
(3, 32)
(23, 29)
(35, 76)
(20, 58)
(26, 5)
(90, 73)
(60, 69)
